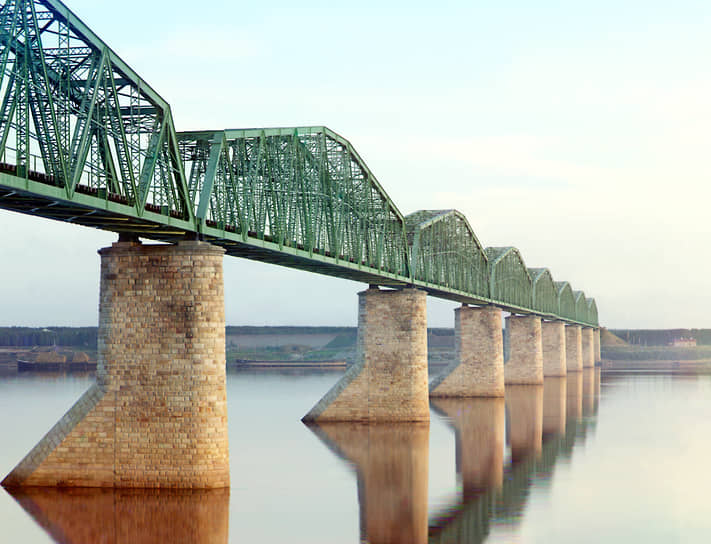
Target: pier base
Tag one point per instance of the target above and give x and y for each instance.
(588, 347)
(525, 364)
(553, 339)
(478, 370)
(573, 348)
(157, 415)
(388, 381)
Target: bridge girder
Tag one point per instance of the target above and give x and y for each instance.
(84, 139)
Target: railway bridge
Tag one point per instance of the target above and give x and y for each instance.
(84, 140)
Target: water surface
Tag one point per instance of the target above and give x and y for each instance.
(580, 459)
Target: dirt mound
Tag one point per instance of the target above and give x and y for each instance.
(609, 339)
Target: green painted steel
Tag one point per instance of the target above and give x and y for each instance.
(445, 251)
(566, 301)
(545, 294)
(581, 307)
(509, 280)
(592, 312)
(84, 140)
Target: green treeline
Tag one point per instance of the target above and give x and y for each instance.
(662, 337)
(47, 336)
(85, 337)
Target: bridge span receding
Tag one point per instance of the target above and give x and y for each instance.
(85, 140)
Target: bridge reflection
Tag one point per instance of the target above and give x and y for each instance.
(543, 425)
(539, 425)
(128, 516)
(391, 463)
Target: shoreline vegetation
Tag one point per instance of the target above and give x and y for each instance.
(284, 347)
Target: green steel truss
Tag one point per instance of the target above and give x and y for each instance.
(444, 251)
(544, 295)
(83, 139)
(566, 300)
(509, 280)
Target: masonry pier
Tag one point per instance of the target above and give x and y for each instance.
(596, 345)
(553, 340)
(525, 364)
(573, 348)
(588, 347)
(157, 415)
(388, 381)
(478, 370)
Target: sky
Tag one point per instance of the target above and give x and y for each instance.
(574, 131)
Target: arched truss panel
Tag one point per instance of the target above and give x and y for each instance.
(592, 311)
(74, 116)
(544, 294)
(445, 251)
(581, 307)
(83, 139)
(509, 281)
(303, 188)
(566, 300)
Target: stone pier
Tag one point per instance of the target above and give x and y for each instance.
(596, 345)
(478, 370)
(388, 381)
(588, 347)
(573, 348)
(525, 364)
(553, 339)
(157, 415)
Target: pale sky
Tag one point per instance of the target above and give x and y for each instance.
(575, 131)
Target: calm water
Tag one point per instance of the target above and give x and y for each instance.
(623, 459)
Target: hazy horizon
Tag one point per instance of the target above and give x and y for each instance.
(576, 133)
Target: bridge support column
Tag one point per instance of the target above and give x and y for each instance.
(596, 345)
(157, 415)
(553, 339)
(588, 347)
(573, 348)
(525, 364)
(388, 381)
(479, 368)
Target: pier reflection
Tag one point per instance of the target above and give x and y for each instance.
(525, 410)
(392, 464)
(542, 425)
(128, 516)
(480, 432)
(574, 395)
(588, 391)
(554, 406)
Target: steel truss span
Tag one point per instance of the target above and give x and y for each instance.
(83, 139)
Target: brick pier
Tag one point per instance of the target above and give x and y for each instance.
(157, 415)
(388, 381)
(478, 370)
(525, 364)
(574, 348)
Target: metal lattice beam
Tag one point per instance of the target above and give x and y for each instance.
(84, 140)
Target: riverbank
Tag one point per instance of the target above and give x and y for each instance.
(698, 366)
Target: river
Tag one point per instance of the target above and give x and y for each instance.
(586, 458)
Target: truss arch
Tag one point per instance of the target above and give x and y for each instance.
(509, 280)
(444, 250)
